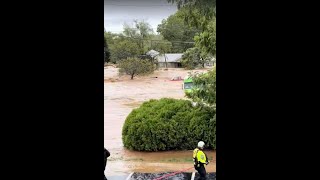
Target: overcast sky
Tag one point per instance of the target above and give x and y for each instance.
(117, 12)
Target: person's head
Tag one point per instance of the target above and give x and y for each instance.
(200, 144)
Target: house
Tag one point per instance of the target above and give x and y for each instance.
(210, 63)
(173, 60)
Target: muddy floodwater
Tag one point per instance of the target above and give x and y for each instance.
(121, 96)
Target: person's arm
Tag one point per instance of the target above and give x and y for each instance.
(207, 161)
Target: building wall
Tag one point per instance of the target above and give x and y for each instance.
(208, 64)
(169, 65)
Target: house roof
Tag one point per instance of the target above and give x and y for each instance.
(170, 57)
(152, 53)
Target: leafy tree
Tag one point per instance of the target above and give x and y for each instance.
(110, 37)
(144, 29)
(204, 90)
(190, 58)
(135, 66)
(168, 124)
(175, 30)
(201, 14)
(206, 41)
(106, 51)
(140, 32)
(204, 93)
(123, 48)
(197, 12)
(193, 58)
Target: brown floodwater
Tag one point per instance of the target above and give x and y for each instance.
(121, 96)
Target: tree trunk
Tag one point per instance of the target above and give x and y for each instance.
(143, 46)
(202, 62)
(132, 76)
(165, 60)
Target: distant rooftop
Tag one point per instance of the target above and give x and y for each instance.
(170, 57)
(153, 53)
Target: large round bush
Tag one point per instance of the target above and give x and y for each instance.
(169, 124)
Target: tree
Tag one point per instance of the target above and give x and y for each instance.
(193, 9)
(193, 58)
(140, 32)
(179, 33)
(123, 48)
(190, 58)
(204, 90)
(204, 93)
(110, 37)
(144, 29)
(201, 14)
(135, 66)
(206, 41)
(106, 51)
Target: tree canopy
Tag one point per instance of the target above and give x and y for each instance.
(140, 32)
(179, 33)
(106, 50)
(135, 66)
(201, 14)
(123, 48)
(204, 90)
(192, 58)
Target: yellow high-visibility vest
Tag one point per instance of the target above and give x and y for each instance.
(199, 156)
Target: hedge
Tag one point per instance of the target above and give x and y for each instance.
(169, 124)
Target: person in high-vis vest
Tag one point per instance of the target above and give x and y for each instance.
(200, 159)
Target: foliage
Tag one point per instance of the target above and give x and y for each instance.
(132, 43)
(135, 66)
(141, 32)
(193, 9)
(201, 14)
(204, 90)
(110, 37)
(123, 48)
(141, 29)
(180, 34)
(106, 51)
(169, 124)
(192, 58)
(162, 47)
(120, 47)
(206, 41)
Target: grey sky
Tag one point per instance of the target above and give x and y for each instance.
(117, 12)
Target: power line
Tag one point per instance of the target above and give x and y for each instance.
(151, 40)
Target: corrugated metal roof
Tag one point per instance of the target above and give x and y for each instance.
(170, 57)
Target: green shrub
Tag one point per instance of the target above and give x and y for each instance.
(169, 124)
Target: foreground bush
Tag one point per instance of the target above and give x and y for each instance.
(169, 124)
